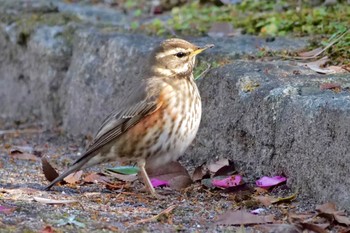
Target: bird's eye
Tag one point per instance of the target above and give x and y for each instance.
(180, 54)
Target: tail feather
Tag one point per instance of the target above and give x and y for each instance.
(75, 167)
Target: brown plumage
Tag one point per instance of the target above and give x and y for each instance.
(157, 121)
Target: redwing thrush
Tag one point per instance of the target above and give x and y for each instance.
(159, 119)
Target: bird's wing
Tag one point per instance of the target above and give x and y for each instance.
(132, 109)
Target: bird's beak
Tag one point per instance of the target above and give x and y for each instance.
(201, 49)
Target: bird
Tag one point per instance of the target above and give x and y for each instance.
(157, 121)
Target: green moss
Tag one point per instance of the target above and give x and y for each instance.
(264, 18)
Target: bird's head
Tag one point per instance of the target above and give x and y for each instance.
(175, 57)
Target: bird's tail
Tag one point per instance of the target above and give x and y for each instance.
(75, 167)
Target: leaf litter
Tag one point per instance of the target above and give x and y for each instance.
(202, 204)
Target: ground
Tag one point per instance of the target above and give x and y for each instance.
(122, 206)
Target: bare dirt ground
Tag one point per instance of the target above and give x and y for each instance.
(124, 206)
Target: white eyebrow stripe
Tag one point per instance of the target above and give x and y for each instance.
(171, 52)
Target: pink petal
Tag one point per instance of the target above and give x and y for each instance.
(227, 182)
(267, 182)
(156, 183)
(258, 211)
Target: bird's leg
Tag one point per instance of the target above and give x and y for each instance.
(146, 179)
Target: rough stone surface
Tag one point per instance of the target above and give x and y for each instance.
(286, 125)
(269, 117)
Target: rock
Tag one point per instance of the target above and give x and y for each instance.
(284, 124)
(104, 67)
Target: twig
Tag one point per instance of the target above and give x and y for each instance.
(204, 72)
(154, 218)
(320, 52)
(20, 131)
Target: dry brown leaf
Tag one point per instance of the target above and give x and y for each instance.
(313, 227)
(214, 167)
(241, 217)
(172, 172)
(337, 69)
(96, 177)
(199, 173)
(180, 182)
(49, 172)
(122, 177)
(23, 155)
(330, 209)
(327, 208)
(318, 66)
(285, 228)
(265, 200)
(74, 177)
(311, 54)
(342, 219)
(227, 170)
(294, 217)
(331, 86)
(53, 201)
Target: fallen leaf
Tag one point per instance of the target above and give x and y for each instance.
(126, 178)
(23, 155)
(174, 173)
(48, 229)
(327, 208)
(74, 177)
(337, 69)
(6, 209)
(53, 201)
(180, 182)
(157, 183)
(342, 219)
(294, 217)
(311, 54)
(318, 66)
(267, 182)
(49, 172)
(125, 170)
(331, 86)
(22, 149)
(214, 167)
(265, 200)
(259, 190)
(280, 228)
(312, 227)
(226, 182)
(227, 170)
(241, 217)
(96, 177)
(199, 173)
(330, 210)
